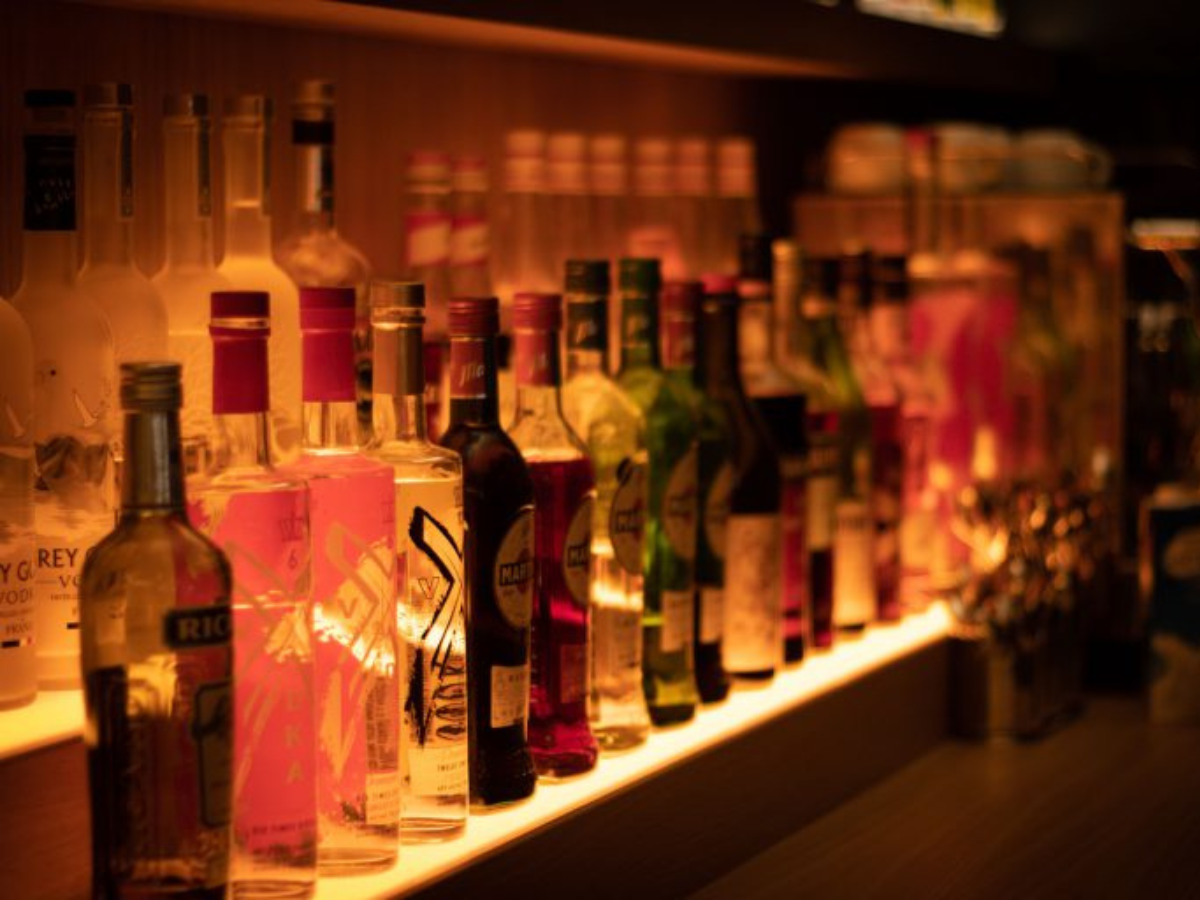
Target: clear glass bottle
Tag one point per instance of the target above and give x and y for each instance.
(524, 237)
(714, 470)
(779, 399)
(668, 664)
(18, 662)
(608, 180)
(564, 490)
(427, 231)
(355, 651)
(652, 221)
(189, 275)
(614, 430)
(259, 517)
(248, 264)
(693, 205)
(136, 314)
(570, 206)
(315, 254)
(158, 668)
(500, 555)
(470, 235)
(73, 380)
(735, 207)
(432, 596)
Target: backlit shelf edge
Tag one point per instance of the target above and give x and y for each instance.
(52, 718)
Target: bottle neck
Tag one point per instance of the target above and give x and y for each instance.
(330, 412)
(717, 366)
(48, 257)
(587, 333)
(243, 441)
(678, 344)
(188, 175)
(473, 392)
(756, 325)
(330, 426)
(240, 399)
(538, 374)
(314, 176)
(247, 190)
(108, 187)
(639, 330)
(398, 404)
(152, 479)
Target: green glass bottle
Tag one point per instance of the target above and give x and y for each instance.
(670, 528)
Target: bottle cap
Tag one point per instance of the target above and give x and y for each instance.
(327, 309)
(108, 94)
(151, 386)
(609, 148)
(428, 167)
(537, 311)
(248, 106)
(588, 276)
(397, 294)
(525, 143)
(719, 284)
(241, 305)
(469, 174)
(640, 275)
(566, 146)
(313, 100)
(186, 105)
(680, 299)
(43, 98)
(474, 317)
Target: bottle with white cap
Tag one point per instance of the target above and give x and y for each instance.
(570, 210)
(736, 202)
(693, 204)
(652, 231)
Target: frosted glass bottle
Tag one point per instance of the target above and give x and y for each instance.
(736, 203)
(470, 235)
(248, 264)
(570, 209)
(608, 179)
(73, 388)
(189, 275)
(653, 230)
(693, 205)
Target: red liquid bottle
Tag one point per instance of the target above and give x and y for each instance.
(565, 493)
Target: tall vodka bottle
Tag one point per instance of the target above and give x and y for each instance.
(614, 430)
(18, 664)
(714, 468)
(669, 559)
(564, 491)
(432, 594)
(248, 264)
(73, 373)
(189, 276)
(427, 231)
(260, 517)
(355, 653)
(500, 558)
(779, 399)
(608, 181)
(736, 209)
(653, 232)
(315, 254)
(752, 642)
(570, 206)
(470, 234)
(525, 243)
(693, 204)
(157, 666)
(135, 311)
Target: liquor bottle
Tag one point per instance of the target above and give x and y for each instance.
(653, 230)
(736, 204)
(714, 477)
(432, 593)
(667, 624)
(247, 263)
(752, 643)
(136, 314)
(355, 653)
(564, 497)
(614, 430)
(260, 517)
(525, 251)
(157, 667)
(693, 204)
(189, 276)
(427, 231)
(470, 237)
(570, 208)
(315, 254)
(608, 181)
(794, 350)
(500, 554)
(779, 399)
(882, 397)
(18, 663)
(73, 372)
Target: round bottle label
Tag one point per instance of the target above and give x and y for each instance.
(679, 506)
(577, 552)
(716, 510)
(512, 577)
(627, 518)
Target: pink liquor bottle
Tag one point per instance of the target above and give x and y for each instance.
(259, 517)
(357, 683)
(564, 495)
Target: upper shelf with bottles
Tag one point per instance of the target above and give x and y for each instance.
(756, 38)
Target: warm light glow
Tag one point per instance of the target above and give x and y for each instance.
(54, 717)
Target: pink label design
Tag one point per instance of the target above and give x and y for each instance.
(468, 370)
(678, 343)
(469, 240)
(427, 238)
(535, 358)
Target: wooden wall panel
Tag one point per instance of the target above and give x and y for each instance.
(394, 96)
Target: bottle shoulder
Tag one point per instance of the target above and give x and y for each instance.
(246, 480)
(417, 460)
(313, 464)
(321, 256)
(151, 541)
(260, 273)
(491, 461)
(546, 437)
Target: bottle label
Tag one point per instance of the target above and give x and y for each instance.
(577, 553)
(427, 238)
(203, 168)
(205, 626)
(468, 370)
(49, 182)
(712, 614)
(573, 666)
(792, 513)
(469, 240)
(678, 343)
(716, 510)
(536, 358)
(585, 323)
(56, 581)
(678, 621)
(753, 609)
(512, 578)
(16, 597)
(439, 771)
(853, 564)
(617, 640)
(212, 730)
(510, 695)
(383, 798)
(627, 517)
(679, 506)
(637, 321)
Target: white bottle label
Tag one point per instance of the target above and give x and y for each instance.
(616, 638)
(577, 553)
(383, 798)
(510, 695)
(512, 577)
(438, 771)
(678, 620)
(753, 640)
(853, 565)
(712, 614)
(678, 512)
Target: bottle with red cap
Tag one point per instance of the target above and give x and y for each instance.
(353, 601)
(500, 554)
(564, 498)
(260, 517)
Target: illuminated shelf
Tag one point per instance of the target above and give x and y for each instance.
(54, 717)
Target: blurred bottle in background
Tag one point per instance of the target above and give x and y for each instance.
(570, 206)
(652, 225)
(736, 202)
(693, 205)
(470, 236)
(608, 175)
(427, 232)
